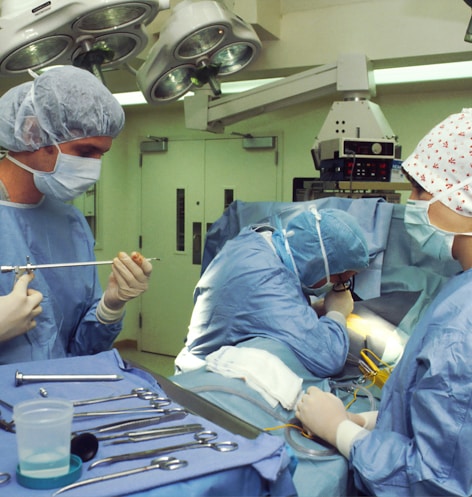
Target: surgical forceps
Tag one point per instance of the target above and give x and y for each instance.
(155, 407)
(140, 393)
(165, 463)
(202, 439)
(7, 425)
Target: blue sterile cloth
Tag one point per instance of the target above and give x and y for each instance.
(321, 471)
(258, 467)
(373, 215)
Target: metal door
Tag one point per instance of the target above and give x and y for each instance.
(183, 191)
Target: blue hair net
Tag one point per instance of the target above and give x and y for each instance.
(343, 239)
(62, 104)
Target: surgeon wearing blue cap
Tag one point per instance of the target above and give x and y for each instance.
(56, 129)
(257, 286)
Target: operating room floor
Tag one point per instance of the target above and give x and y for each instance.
(157, 363)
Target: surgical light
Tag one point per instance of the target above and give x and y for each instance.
(201, 41)
(86, 33)
(468, 33)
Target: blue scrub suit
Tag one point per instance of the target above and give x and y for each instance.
(54, 232)
(246, 292)
(422, 443)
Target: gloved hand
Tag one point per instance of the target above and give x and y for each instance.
(19, 309)
(321, 413)
(129, 279)
(339, 301)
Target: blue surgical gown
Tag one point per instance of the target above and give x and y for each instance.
(246, 292)
(53, 232)
(422, 443)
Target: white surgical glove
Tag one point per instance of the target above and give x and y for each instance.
(338, 305)
(321, 413)
(324, 415)
(128, 279)
(19, 309)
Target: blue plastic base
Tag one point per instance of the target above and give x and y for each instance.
(73, 475)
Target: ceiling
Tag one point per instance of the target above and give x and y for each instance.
(388, 32)
(301, 5)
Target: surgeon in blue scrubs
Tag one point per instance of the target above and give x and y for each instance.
(257, 286)
(56, 130)
(420, 440)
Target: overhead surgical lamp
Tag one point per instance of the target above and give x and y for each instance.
(87, 33)
(202, 41)
(468, 33)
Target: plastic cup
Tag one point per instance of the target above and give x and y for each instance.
(43, 433)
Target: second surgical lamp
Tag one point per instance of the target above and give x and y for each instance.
(202, 40)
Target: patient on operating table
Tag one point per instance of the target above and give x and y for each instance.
(259, 285)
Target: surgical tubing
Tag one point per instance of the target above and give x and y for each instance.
(311, 453)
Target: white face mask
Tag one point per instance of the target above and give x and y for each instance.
(72, 176)
(322, 290)
(433, 240)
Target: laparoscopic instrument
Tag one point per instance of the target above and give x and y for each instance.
(201, 440)
(28, 267)
(21, 378)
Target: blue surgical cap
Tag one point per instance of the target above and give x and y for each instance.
(343, 239)
(62, 104)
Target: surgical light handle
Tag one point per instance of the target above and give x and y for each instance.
(31, 267)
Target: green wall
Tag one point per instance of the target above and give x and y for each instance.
(410, 114)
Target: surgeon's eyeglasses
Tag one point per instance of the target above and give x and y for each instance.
(342, 286)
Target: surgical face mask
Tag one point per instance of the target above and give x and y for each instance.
(72, 176)
(433, 240)
(319, 292)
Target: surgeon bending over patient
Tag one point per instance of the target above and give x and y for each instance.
(56, 130)
(420, 440)
(257, 286)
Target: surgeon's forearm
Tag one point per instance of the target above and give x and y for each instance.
(107, 315)
(365, 420)
(346, 434)
(337, 316)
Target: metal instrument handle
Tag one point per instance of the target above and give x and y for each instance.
(165, 463)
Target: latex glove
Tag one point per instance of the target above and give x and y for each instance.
(128, 279)
(366, 419)
(319, 307)
(321, 413)
(339, 301)
(19, 309)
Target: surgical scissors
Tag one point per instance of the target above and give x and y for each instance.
(165, 463)
(4, 478)
(140, 393)
(201, 439)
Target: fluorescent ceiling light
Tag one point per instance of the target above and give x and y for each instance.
(396, 75)
(430, 72)
(137, 98)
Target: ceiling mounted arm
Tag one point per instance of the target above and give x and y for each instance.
(351, 75)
